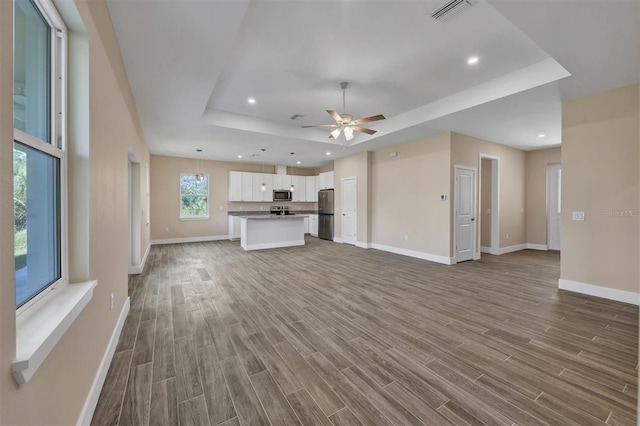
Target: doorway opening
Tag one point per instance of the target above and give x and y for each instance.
(554, 205)
(489, 211)
(349, 211)
(135, 213)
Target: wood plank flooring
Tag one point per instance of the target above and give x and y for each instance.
(330, 334)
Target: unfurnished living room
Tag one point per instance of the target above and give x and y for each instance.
(323, 212)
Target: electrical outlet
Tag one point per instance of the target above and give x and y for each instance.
(166, 229)
(111, 302)
(406, 237)
(443, 197)
(507, 235)
(577, 216)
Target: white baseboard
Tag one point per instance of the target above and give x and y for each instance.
(96, 387)
(485, 250)
(599, 291)
(337, 240)
(542, 247)
(511, 249)
(281, 244)
(363, 245)
(137, 269)
(189, 239)
(417, 254)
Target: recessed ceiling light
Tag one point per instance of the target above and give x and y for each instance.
(298, 162)
(541, 135)
(251, 101)
(328, 153)
(239, 156)
(472, 60)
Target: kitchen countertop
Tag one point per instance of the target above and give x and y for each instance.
(273, 216)
(267, 213)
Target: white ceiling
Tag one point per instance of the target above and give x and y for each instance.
(193, 65)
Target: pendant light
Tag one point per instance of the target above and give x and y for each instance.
(264, 185)
(292, 186)
(199, 175)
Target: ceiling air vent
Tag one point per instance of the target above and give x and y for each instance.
(451, 9)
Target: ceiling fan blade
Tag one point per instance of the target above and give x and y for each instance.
(369, 119)
(321, 125)
(363, 130)
(334, 115)
(336, 133)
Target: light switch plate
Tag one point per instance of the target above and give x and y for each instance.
(577, 216)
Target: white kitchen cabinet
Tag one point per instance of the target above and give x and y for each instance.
(313, 225)
(311, 188)
(306, 224)
(258, 194)
(278, 182)
(235, 186)
(300, 185)
(286, 182)
(234, 227)
(326, 180)
(247, 186)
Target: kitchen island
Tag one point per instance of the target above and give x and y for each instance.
(271, 231)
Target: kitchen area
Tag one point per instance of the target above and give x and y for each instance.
(287, 219)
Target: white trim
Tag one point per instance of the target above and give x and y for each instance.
(417, 254)
(38, 330)
(279, 244)
(189, 239)
(342, 222)
(92, 399)
(485, 249)
(363, 245)
(338, 240)
(599, 291)
(137, 269)
(511, 249)
(548, 200)
(542, 247)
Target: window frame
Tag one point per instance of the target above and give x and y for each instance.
(58, 134)
(180, 195)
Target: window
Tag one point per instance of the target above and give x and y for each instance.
(38, 150)
(194, 196)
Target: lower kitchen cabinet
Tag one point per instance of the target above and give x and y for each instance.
(313, 225)
(234, 227)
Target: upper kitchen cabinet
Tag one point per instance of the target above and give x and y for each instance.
(258, 193)
(311, 188)
(326, 180)
(235, 186)
(300, 188)
(247, 187)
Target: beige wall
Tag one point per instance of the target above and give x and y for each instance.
(358, 166)
(465, 151)
(406, 195)
(485, 204)
(113, 128)
(165, 196)
(600, 177)
(536, 193)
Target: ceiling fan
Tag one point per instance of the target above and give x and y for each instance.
(345, 122)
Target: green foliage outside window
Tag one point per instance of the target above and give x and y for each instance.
(20, 208)
(194, 196)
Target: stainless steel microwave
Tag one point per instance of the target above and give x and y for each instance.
(281, 195)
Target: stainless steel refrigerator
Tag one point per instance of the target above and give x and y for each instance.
(325, 214)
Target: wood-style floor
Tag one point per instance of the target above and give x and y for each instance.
(330, 334)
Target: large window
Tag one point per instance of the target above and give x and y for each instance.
(194, 196)
(38, 150)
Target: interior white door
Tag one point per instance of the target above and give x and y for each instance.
(465, 229)
(349, 211)
(554, 192)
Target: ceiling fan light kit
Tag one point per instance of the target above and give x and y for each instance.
(345, 122)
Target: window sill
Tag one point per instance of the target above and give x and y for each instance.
(41, 327)
(196, 218)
